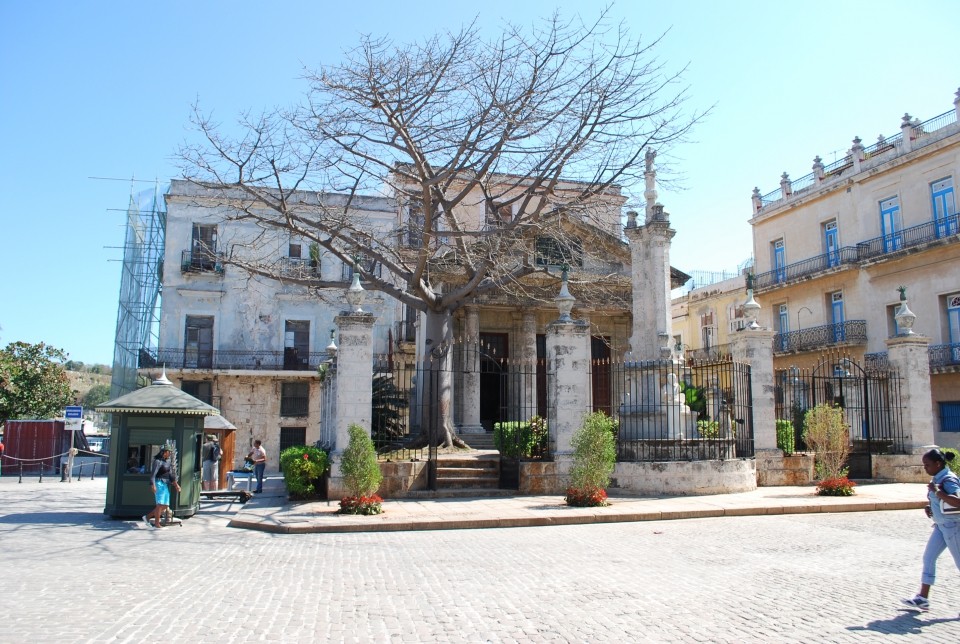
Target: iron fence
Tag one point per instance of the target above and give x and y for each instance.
(676, 411)
(944, 355)
(870, 399)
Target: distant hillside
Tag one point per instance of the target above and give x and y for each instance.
(83, 381)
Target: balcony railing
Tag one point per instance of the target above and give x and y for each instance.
(863, 251)
(299, 268)
(287, 360)
(201, 261)
(944, 355)
(817, 337)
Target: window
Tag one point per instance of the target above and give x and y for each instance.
(950, 416)
(893, 328)
(779, 258)
(496, 215)
(554, 252)
(944, 207)
(735, 317)
(294, 399)
(890, 224)
(831, 243)
(708, 331)
(836, 314)
(953, 325)
(296, 344)
(415, 222)
(367, 266)
(783, 321)
(140, 457)
(198, 342)
(292, 437)
(203, 249)
(199, 389)
(294, 251)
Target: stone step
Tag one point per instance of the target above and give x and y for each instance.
(466, 463)
(460, 472)
(479, 441)
(469, 482)
(460, 493)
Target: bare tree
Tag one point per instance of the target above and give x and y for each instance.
(535, 128)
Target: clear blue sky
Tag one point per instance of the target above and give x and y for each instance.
(103, 89)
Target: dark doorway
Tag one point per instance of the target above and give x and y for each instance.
(600, 375)
(494, 350)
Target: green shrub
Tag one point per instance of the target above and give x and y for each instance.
(708, 428)
(361, 474)
(302, 467)
(826, 433)
(594, 456)
(695, 397)
(786, 436)
(517, 439)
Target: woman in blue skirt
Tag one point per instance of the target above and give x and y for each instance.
(162, 476)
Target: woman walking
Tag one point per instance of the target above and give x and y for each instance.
(162, 475)
(944, 486)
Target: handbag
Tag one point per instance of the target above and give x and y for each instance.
(949, 510)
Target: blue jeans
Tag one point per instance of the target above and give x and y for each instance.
(944, 536)
(258, 472)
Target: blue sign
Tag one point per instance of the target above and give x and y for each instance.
(74, 411)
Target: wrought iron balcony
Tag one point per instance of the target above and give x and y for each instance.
(944, 356)
(300, 268)
(287, 360)
(405, 331)
(818, 337)
(201, 261)
(943, 229)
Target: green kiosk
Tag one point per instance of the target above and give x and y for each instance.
(150, 418)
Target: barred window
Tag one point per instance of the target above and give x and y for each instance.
(295, 399)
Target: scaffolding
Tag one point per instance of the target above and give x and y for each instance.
(138, 311)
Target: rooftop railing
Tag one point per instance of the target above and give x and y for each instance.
(818, 337)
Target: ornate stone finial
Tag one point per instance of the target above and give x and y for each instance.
(631, 219)
(756, 192)
(906, 119)
(564, 300)
(356, 294)
(751, 309)
(785, 187)
(658, 213)
(881, 140)
(332, 347)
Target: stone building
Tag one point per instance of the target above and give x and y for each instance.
(832, 249)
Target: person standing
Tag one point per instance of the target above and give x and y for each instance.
(944, 486)
(258, 456)
(162, 476)
(211, 461)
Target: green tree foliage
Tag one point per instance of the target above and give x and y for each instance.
(594, 453)
(826, 432)
(33, 381)
(361, 472)
(97, 395)
(302, 467)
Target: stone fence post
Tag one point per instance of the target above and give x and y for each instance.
(755, 347)
(354, 391)
(908, 354)
(568, 393)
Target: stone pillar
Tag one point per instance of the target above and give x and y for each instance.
(908, 354)
(568, 378)
(353, 393)
(528, 364)
(650, 182)
(755, 347)
(756, 200)
(906, 127)
(817, 170)
(650, 277)
(956, 104)
(470, 397)
(786, 188)
(856, 153)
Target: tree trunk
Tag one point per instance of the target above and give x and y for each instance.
(437, 359)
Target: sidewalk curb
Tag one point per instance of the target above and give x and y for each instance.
(329, 522)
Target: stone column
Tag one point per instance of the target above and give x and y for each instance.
(786, 187)
(856, 153)
(956, 104)
(817, 170)
(908, 354)
(528, 364)
(568, 393)
(470, 396)
(353, 395)
(906, 127)
(650, 276)
(755, 347)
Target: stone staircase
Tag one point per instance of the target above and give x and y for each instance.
(476, 474)
(479, 441)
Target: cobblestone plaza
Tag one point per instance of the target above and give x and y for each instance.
(72, 574)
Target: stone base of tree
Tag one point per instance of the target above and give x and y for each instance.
(773, 468)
